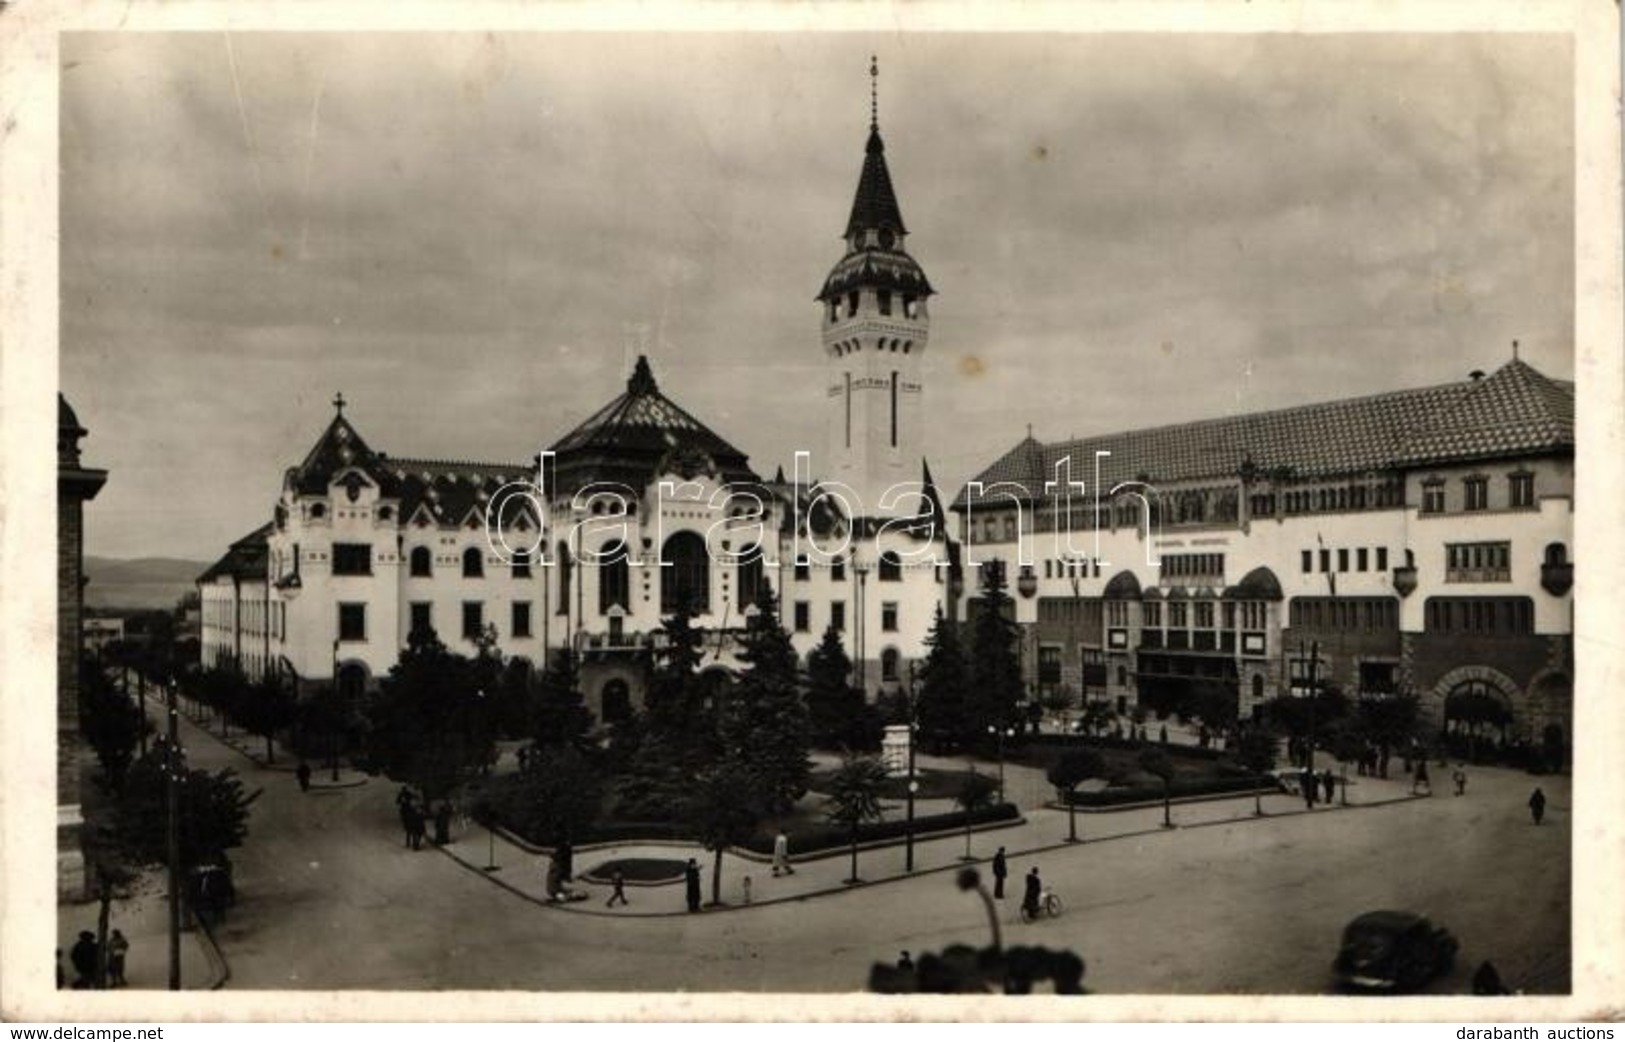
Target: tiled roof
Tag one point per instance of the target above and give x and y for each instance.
(874, 206)
(1514, 411)
(874, 268)
(641, 433)
(246, 559)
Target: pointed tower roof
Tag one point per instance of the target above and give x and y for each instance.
(338, 447)
(877, 261)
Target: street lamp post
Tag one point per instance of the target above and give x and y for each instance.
(173, 765)
(913, 783)
(1001, 733)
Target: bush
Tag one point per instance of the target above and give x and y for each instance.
(1114, 797)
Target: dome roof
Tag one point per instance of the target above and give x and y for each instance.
(1124, 586)
(1260, 584)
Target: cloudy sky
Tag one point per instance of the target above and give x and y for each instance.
(465, 233)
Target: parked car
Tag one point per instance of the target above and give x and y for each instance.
(1393, 951)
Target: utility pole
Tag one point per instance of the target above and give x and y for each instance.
(173, 765)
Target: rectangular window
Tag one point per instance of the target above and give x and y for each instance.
(803, 571)
(521, 619)
(883, 299)
(1049, 669)
(422, 617)
(1343, 560)
(837, 571)
(1178, 615)
(1433, 497)
(888, 616)
(352, 558)
(837, 616)
(803, 617)
(1153, 614)
(352, 622)
(894, 409)
(1478, 562)
(1325, 560)
(1477, 493)
(521, 564)
(1229, 615)
(1204, 615)
(1382, 558)
(1362, 559)
(1521, 490)
(1308, 561)
(473, 619)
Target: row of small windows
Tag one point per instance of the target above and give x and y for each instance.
(1478, 562)
(1359, 559)
(1204, 615)
(1079, 568)
(883, 302)
(1485, 615)
(1475, 493)
(1328, 500)
(890, 344)
(1371, 614)
(1192, 566)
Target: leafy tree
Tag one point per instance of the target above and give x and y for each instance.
(110, 721)
(1388, 721)
(556, 801)
(678, 711)
(514, 704)
(838, 715)
(975, 793)
(944, 680)
(1097, 715)
(854, 797)
(764, 728)
(429, 726)
(213, 811)
(562, 716)
(1074, 767)
(321, 721)
(655, 783)
(1155, 761)
(266, 708)
(1215, 705)
(1256, 750)
(723, 808)
(995, 667)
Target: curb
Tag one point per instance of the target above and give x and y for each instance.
(849, 888)
(218, 966)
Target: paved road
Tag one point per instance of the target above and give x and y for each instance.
(329, 899)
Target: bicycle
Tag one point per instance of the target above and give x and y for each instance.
(1049, 903)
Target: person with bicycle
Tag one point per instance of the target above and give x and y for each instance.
(1035, 890)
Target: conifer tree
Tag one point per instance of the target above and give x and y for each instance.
(764, 726)
(995, 669)
(943, 680)
(839, 716)
(562, 717)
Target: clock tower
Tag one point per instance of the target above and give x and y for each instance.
(874, 331)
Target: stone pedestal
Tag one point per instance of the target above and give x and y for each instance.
(894, 749)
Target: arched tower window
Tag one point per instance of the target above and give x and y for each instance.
(614, 579)
(422, 562)
(473, 563)
(891, 567)
(685, 574)
(565, 565)
(749, 577)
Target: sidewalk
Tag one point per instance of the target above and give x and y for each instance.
(1043, 833)
(144, 918)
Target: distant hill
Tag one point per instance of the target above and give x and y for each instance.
(143, 582)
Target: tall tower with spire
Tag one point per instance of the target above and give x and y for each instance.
(874, 331)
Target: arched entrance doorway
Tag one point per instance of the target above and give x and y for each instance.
(615, 701)
(1477, 715)
(352, 683)
(1550, 718)
(685, 575)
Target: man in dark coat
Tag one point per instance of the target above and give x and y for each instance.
(691, 877)
(567, 860)
(85, 955)
(1035, 889)
(1537, 807)
(1308, 783)
(442, 823)
(1328, 781)
(1001, 869)
(414, 825)
(303, 774)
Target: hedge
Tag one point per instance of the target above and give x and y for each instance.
(1180, 789)
(1194, 752)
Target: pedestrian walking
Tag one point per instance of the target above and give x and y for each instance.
(1419, 780)
(553, 881)
(691, 880)
(745, 889)
(567, 860)
(781, 855)
(1001, 869)
(904, 962)
(1328, 781)
(1310, 786)
(118, 948)
(414, 826)
(302, 772)
(618, 894)
(1460, 778)
(84, 955)
(1035, 890)
(1537, 805)
(442, 823)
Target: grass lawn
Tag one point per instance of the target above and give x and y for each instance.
(934, 785)
(647, 870)
(1123, 765)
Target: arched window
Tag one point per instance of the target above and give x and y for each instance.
(615, 701)
(614, 583)
(473, 563)
(1258, 687)
(564, 579)
(891, 567)
(422, 562)
(1556, 553)
(888, 664)
(685, 574)
(749, 577)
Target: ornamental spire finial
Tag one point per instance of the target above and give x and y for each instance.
(339, 403)
(874, 92)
